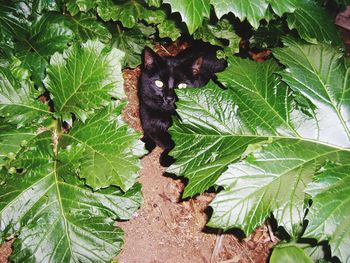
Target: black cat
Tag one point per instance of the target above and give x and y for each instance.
(160, 76)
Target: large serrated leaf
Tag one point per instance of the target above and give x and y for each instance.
(215, 33)
(127, 12)
(84, 78)
(269, 35)
(47, 34)
(329, 213)
(57, 218)
(283, 135)
(86, 26)
(12, 21)
(74, 6)
(313, 24)
(206, 136)
(284, 6)
(215, 113)
(168, 29)
(18, 97)
(192, 11)
(320, 73)
(253, 10)
(45, 5)
(35, 36)
(106, 150)
(132, 42)
(273, 179)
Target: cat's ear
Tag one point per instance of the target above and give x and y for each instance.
(197, 66)
(149, 58)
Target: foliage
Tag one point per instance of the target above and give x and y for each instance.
(54, 153)
(268, 150)
(273, 138)
(289, 253)
(276, 137)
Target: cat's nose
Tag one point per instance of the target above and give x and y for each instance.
(170, 100)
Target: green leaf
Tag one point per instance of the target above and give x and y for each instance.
(45, 5)
(47, 34)
(329, 213)
(155, 3)
(153, 16)
(205, 137)
(75, 6)
(7, 46)
(206, 33)
(127, 13)
(106, 150)
(311, 21)
(35, 64)
(132, 42)
(212, 117)
(18, 98)
(269, 35)
(272, 179)
(57, 218)
(224, 30)
(169, 29)
(192, 11)
(289, 254)
(12, 140)
(316, 253)
(12, 21)
(320, 73)
(285, 6)
(253, 10)
(33, 37)
(313, 24)
(214, 34)
(86, 26)
(166, 27)
(84, 78)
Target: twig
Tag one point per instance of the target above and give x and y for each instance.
(218, 245)
(165, 49)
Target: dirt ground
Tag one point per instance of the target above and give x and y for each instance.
(166, 230)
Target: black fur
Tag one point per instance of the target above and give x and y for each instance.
(195, 67)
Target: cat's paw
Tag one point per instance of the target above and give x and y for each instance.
(166, 160)
(149, 143)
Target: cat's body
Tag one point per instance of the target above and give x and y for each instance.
(160, 76)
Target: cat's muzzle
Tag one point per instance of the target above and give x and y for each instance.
(169, 104)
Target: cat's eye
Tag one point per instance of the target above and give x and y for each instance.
(159, 83)
(182, 85)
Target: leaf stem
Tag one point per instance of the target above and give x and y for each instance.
(56, 134)
(118, 28)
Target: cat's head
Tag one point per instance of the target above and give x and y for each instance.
(162, 75)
